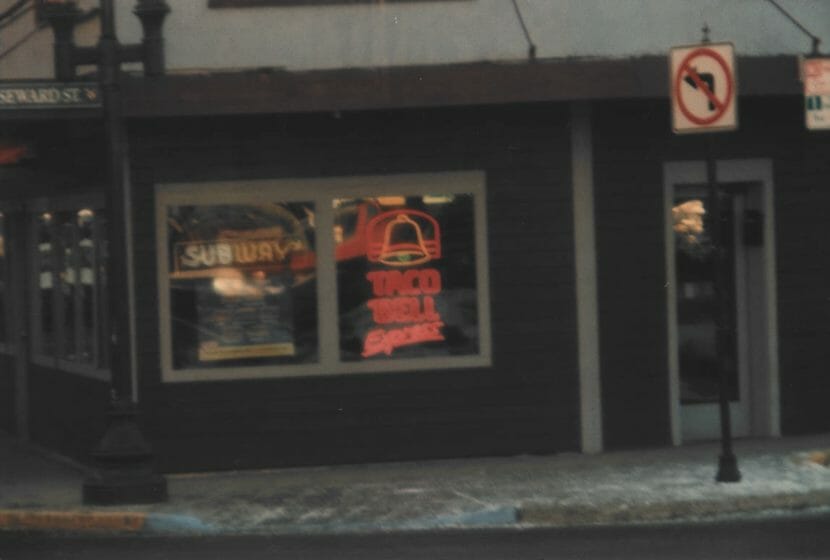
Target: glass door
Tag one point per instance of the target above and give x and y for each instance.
(698, 338)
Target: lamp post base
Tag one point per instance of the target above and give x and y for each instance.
(728, 469)
(123, 464)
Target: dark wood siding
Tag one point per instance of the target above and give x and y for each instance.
(631, 274)
(526, 403)
(67, 411)
(632, 141)
(7, 392)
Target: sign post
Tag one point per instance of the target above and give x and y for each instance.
(703, 100)
(816, 76)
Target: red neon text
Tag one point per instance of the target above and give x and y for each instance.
(413, 282)
(382, 341)
(403, 310)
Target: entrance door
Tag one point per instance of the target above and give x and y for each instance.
(697, 308)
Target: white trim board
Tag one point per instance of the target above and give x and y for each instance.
(582, 169)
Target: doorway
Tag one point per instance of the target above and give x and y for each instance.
(748, 340)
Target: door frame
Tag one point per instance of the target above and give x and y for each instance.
(765, 408)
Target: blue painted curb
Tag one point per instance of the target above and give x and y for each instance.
(179, 524)
(172, 523)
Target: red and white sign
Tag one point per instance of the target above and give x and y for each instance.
(816, 74)
(403, 304)
(703, 88)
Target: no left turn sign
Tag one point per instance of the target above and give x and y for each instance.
(703, 88)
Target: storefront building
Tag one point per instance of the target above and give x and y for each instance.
(429, 258)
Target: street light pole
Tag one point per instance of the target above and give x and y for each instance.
(727, 462)
(123, 459)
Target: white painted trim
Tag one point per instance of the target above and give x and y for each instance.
(321, 191)
(582, 169)
(760, 170)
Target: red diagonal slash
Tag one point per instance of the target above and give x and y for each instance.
(704, 88)
(684, 69)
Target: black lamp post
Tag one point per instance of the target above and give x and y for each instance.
(123, 459)
(727, 462)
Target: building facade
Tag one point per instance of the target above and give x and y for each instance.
(378, 231)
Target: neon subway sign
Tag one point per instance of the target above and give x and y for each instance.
(403, 303)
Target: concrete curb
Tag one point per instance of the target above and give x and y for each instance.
(45, 520)
(527, 515)
(180, 524)
(102, 521)
(558, 515)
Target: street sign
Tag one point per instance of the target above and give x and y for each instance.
(703, 88)
(49, 95)
(816, 73)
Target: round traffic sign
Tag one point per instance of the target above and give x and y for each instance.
(688, 73)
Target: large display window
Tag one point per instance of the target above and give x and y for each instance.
(68, 311)
(242, 284)
(322, 276)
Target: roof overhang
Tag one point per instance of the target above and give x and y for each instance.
(354, 89)
(481, 83)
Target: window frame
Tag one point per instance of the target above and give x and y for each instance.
(322, 191)
(92, 369)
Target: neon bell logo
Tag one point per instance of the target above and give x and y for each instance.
(403, 301)
(396, 238)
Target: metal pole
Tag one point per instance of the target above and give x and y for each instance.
(110, 71)
(727, 463)
(124, 460)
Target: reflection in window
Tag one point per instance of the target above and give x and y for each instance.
(406, 278)
(45, 265)
(688, 225)
(242, 284)
(697, 303)
(70, 322)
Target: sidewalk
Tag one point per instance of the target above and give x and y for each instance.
(39, 492)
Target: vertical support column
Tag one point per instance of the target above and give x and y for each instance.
(20, 319)
(582, 164)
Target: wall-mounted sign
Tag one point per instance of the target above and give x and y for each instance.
(816, 72)
(49, 95)
(703, 88)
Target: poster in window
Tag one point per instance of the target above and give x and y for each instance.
(242, 281)
(406, 277)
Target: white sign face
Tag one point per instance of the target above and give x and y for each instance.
(703, 88)
(816, 72)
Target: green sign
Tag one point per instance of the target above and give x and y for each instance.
(49, 95)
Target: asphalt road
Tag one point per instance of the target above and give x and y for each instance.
(803, 536)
